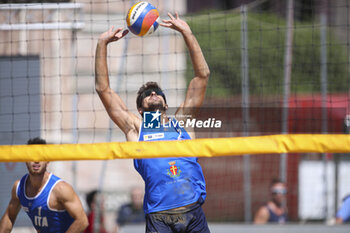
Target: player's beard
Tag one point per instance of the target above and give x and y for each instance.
(152, 107)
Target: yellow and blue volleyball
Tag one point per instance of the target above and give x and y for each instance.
(142, 19)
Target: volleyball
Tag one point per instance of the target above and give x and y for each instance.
(142, 19)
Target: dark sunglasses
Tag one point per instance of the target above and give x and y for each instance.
(156, 90)
(279, 191)
(149, 92)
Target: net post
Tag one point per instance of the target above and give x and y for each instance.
(245, 113)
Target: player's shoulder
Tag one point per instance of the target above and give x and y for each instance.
(262, 215)
(263, 210)
(62, 185)
(15, 184)
(62, 189)
(15, 188)
(63, 192)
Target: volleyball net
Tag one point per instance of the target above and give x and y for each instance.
(277, 98)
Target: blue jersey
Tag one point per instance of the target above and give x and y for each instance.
(344, 211)
(169, 182)
(274, 218)
(42, 216)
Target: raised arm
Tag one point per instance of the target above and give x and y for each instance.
(197, 87)
(114, 105)
(9, 218)
(69, 200)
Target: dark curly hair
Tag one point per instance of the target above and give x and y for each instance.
(143, 89)
(275, 180)
(36, 140)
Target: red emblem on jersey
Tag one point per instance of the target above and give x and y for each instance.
(173, 171)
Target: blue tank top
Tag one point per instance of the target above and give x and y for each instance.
(274, 218)
(169, 182)
(44, 218)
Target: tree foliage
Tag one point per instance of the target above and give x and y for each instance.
(219, 35)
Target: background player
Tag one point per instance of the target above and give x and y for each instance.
(51, 204)
(95, 202)
(343, 213)
(131, 213)
(273, 211)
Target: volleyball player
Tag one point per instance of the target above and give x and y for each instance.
(51, 204)
(273, 211)
(343, 213)
(174, 187)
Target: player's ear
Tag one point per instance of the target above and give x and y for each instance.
(166, 107)
(140, 111)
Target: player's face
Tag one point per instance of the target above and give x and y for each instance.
(153, 100)
(279, 192)
(37, 168)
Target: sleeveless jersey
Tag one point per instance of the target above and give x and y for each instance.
(44, 218)
(274, 218)
(169, 182)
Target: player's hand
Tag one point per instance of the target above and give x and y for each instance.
(111, 35)
(176, 23)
